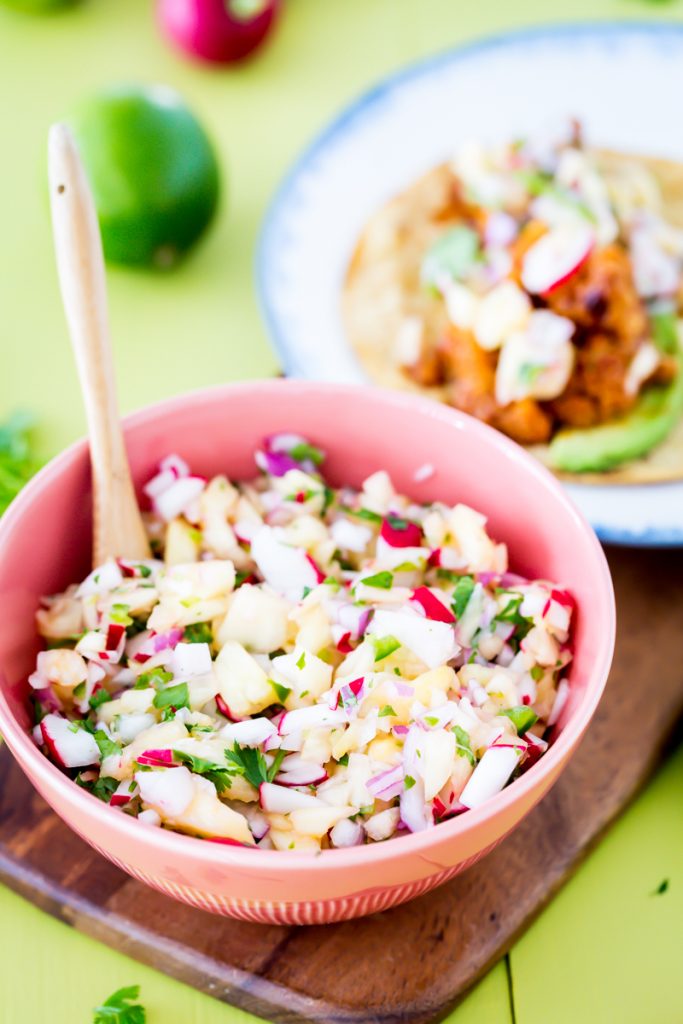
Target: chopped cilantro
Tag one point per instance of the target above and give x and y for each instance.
(511, 613)
(384, 646)
(282, 692)
(306, 592)
(198, 633)
(409, 782)
(463, 747)
(432, 720)
(328, 498)
(450, 256)
(301, 662)
(156, 677)
(461, 595)
(120, 1008)
(79, 691)
(303, 451)
(382, 580)
(398, 522)
(406, 567)
(119, 614)
(537, 673)
(251, 763)
(365, 513)
(216, 773)
(304, 693)
(102, 787)
(344, 759)
(386, 711)
(522, 718)
(106, 746)
(177, 696)
(99, 697)
(145, 571)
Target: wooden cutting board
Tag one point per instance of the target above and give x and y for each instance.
(411, 964)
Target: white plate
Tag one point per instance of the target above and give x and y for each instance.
(623, 81)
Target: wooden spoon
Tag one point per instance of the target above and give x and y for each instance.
(118, 531)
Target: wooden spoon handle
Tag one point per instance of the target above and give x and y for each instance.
(117, 524)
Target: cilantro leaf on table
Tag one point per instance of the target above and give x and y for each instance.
(119, 1008)
(17, 464)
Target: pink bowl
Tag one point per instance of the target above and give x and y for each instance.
(45, 544)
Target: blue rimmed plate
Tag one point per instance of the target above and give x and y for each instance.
(619, 79)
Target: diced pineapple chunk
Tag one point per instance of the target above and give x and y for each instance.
(182, 543)
(242, 683)
(256, 618)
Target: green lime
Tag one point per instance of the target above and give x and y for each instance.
(36, 6)
(153, 173)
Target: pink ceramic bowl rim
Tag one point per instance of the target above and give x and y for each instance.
(259, 862)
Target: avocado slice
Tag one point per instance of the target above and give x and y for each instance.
(598, 449)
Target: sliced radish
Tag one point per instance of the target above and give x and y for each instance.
(433, 643)
(304, 774)
(348, 536)
(310, 718)
(70, 746)
(346, 833)
(416, 814)
(433, 607)
(399, 533)
(556, 256)
(170, 791)
(561, 698)
(491, 774)
(156, 758)
(191, 660)
(286, 569)
(174, 500)
(252, 732)
(124, 793)
(224, 709)
(128, 727)
(102, 579)
(280, 800)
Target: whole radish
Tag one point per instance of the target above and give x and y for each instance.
(217, 31)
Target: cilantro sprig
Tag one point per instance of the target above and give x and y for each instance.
(216, 773)
(250, 763)
(119, 1008)
(17, 464)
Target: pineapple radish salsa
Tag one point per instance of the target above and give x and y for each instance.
(300, 667)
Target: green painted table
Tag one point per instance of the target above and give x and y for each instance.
(608, 948)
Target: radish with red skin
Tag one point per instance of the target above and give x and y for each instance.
(70, 746)
(556, 257)
(225, 710)
(157, 758)
(217, 31)
(407, 535)
(432, 606)
(303, 775)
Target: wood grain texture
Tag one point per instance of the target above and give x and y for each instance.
(413, 963)
(117, 523)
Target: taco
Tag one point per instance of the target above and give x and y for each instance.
(538, 286)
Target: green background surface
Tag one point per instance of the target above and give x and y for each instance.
(608, 948)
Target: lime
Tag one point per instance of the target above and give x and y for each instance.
(36, 6)
(153, 173)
